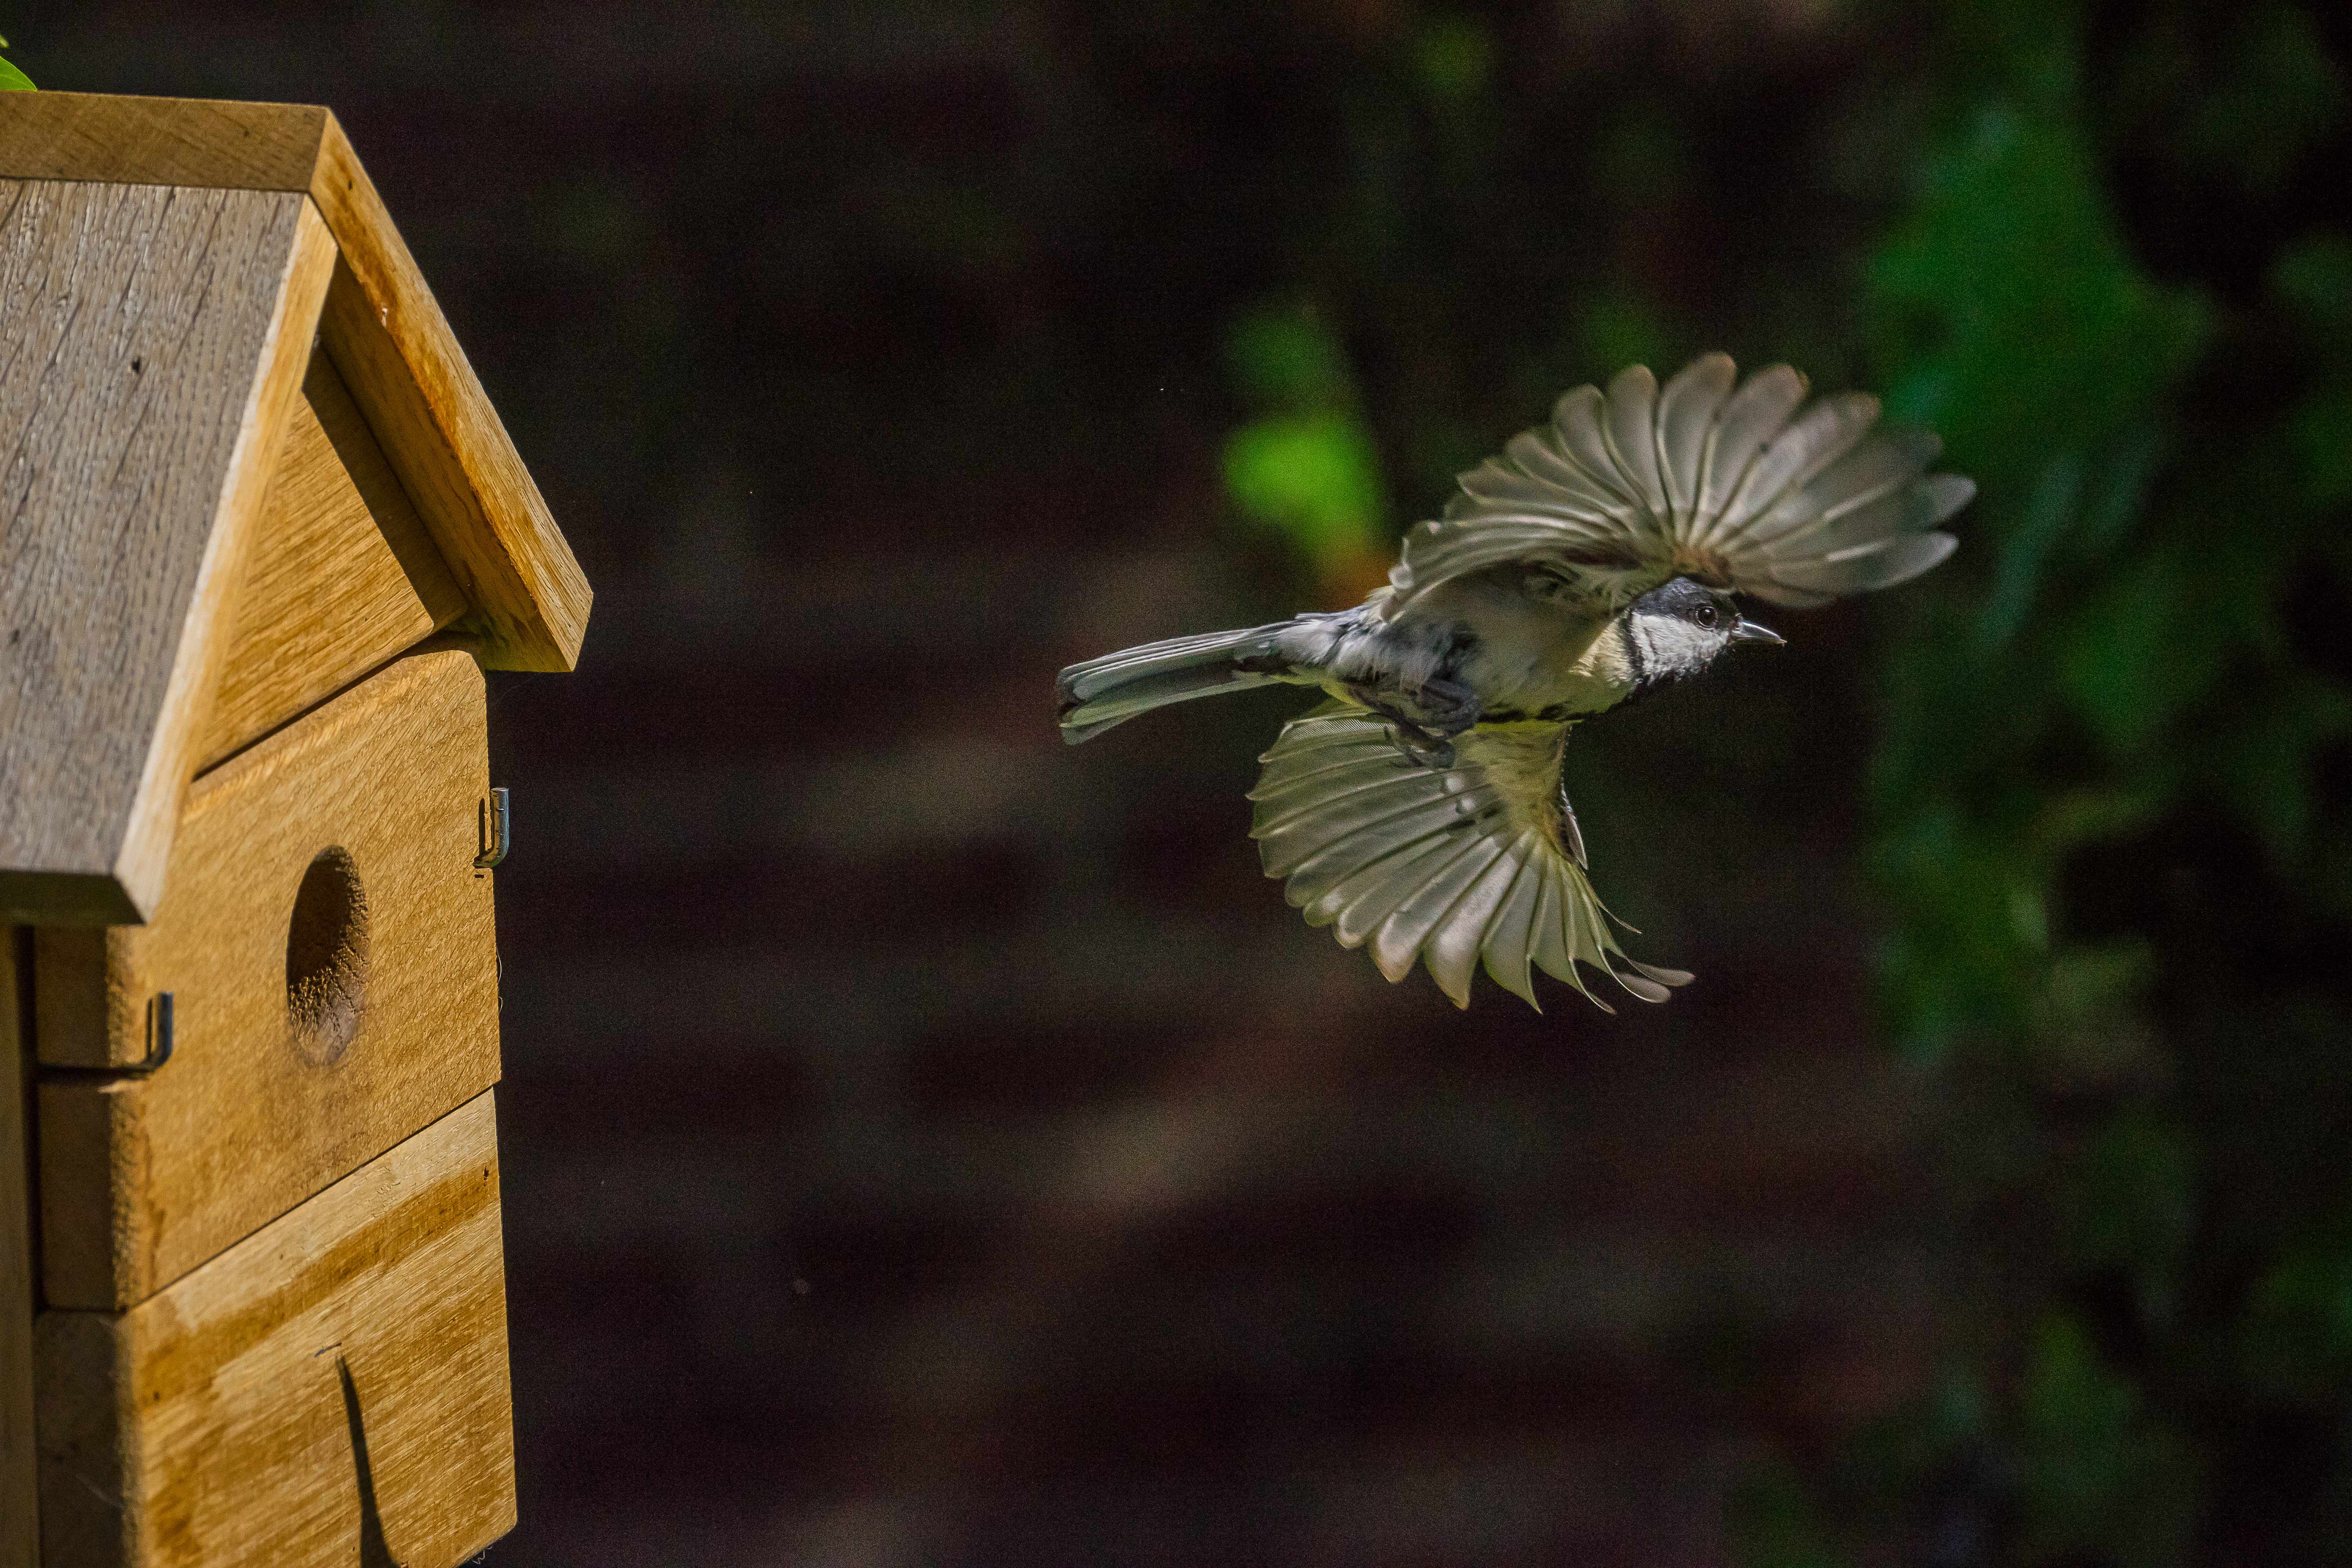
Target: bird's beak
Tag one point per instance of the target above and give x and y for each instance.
(1748, 631)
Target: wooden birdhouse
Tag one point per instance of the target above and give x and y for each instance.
(260, 531)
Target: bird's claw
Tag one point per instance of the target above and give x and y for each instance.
(1418, 745)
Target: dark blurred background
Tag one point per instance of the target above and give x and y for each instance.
(926, 1145)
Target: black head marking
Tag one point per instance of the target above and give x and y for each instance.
(1689, 600)
(1676, 631)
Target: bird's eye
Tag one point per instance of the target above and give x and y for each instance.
(1706, 616)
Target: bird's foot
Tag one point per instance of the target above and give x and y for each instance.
(1427, 743)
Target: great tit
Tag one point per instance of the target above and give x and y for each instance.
(1420, 809)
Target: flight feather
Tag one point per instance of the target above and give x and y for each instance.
(1476, 864)
(1737, 485)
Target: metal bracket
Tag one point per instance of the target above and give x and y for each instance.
(497, 831)
(161, 1038)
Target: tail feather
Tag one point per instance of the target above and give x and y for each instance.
(1111, 689)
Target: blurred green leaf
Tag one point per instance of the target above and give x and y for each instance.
(2134, 1200)
(1314, 476)
(2294, 1340)
(1453, 56)
(1619, 328)
(2101, 1475)
(2138, 653)
(2011, 319)
(1287, 357)
(11, 79)
(2313, 278)
(2260, 758)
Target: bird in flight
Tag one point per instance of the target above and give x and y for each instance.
(1419, 810)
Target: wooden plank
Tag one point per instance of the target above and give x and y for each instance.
(332, 951)
(157, 342)
(160, 141)
(19, 1526)
(395, 349)
(344, 575)
(214, 1423)
(386, 334)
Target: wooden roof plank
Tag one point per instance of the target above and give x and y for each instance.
(157, 339)
(150, 368)
(384, 331)
(112, 140)
(395, 349)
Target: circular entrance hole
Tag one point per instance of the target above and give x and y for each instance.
(326, 959)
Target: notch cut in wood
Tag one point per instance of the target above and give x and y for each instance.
(212, 1426)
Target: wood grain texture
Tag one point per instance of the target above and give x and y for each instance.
(19, 1525)
(211, 1425)
(277, 1089)
(342, 577)
(530, 598)
(156, 342)
(387, 335)
(160, 141)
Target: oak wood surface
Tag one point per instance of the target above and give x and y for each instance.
(104, 138)
(157, 339)
(395, 349)
(19, 1531)
(212, 1424)
(386, 334)
(143, 1179)
(341, 576)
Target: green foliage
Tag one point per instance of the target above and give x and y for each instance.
(1305, 467)
(1455, 58)
(2104, 254)
(1314, 476)
(11, 79)
(2096, 1467)
(2069, 720)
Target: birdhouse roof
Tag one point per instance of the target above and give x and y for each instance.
(189, 293)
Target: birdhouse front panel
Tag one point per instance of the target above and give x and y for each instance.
(329, 944)
(264, 531)
(331, 1389)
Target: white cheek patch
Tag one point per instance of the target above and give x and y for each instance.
(1673, 647)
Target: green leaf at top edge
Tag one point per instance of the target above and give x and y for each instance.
(14, 80)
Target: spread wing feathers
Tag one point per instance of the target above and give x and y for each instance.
(1728, 484)
(1479, 862)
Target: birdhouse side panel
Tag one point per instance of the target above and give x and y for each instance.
(333, 1389)
(157, 340)
(342, 577)
(329, 947)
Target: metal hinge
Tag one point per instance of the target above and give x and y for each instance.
(497, 831)
(161, 1038)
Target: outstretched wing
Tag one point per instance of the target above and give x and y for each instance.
(1479, 861)
(1734, 488)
